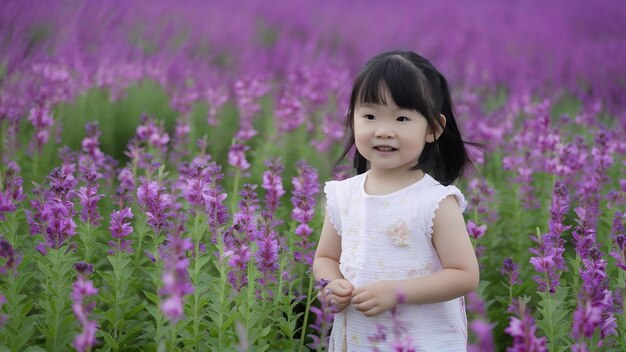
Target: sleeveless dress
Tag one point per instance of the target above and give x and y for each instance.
(389, 237)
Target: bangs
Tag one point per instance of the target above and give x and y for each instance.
(405, 83)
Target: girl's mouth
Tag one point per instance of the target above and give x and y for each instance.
(385, 148)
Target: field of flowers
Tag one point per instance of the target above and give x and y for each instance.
(162, 166)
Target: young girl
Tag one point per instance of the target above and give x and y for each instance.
(394, 235)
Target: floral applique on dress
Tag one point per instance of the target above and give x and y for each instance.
(399, 234)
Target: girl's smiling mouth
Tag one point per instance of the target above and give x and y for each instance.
(385, 148)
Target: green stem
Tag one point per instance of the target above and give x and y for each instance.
(235, 190)
(306, 313)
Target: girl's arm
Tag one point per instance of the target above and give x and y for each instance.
(326, 261)
(458, 277)
(458, 259)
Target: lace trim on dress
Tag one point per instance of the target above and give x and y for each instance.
(446, 191)
(332, 208)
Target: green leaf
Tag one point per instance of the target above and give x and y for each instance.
(110, 341)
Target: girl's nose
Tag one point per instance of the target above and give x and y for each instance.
(384, 132)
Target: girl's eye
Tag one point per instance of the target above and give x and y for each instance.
(369, 117)
(402, 119)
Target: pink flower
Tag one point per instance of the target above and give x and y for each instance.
(399, 234)
(475, 231)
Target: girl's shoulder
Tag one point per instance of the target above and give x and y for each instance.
(344, 187)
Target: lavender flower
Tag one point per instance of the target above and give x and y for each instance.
(323, 321)
(88, 200)
(197, 187)
(120, 230)
(91, 146)
(594, 308)
(217, 211)
(273, 185)
(11, 260)
(82, 289)
(523, 329)
(476, 231)
(305, 187)
(266, 256)
(237, 156)
(511, 270)
(41, 119)
(548, 261)
(176, 282)
(155, 202)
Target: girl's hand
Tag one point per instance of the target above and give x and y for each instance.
(337, 294)
(376, 297)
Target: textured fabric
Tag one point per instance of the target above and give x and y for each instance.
(389, 237)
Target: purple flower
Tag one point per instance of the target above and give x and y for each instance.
(41, 119)
(511, 270)
(238, 258)
(273, 185)
(548, 262)
(323, 322)
(476, 231)
(197, 187)
(176, 282)
(57, 214)
(9, 256)
(152, 134)
(217, 211)
(120, 230)
(247, 93)
(11, 190)
(237, 156)
(523, 329)
(484, 337)
(305, 187)
(82, 289)
(88, 200)
(266, 257)
(155, 203)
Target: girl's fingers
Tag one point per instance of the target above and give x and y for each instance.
(365, 306)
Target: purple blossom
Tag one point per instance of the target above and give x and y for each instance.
(88, 200)
(247, 93)
(91, 146)
(197, 187)
(176, 282)
(217, 211)
(595, 307)
(120, 230)
(266, 256)
(548, 262)
(273, 185)
(511, 270)
(11, 191)
(323, 321)
(152, 134)
(523, 329)
(237, 156)
(155, 203)
(238, 258)
(41, 119)
(305, 187)
(11, 260)
(475, 231)
(82, 289)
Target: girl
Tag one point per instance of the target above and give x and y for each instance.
(394, 246)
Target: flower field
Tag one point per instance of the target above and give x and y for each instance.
(163, 166)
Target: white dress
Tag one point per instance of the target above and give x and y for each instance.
(388, 237)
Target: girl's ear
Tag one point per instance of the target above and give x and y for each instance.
(433, 135)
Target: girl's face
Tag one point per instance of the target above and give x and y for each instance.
(389, 137)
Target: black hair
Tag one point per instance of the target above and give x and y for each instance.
(415, 84)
